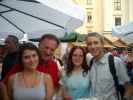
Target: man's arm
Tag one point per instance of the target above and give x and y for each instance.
(128, 91)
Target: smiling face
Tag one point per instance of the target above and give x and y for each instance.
(94, 45)
(77, 57)
(30, 59)
(47, 48)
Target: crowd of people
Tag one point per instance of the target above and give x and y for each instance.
(34, 73)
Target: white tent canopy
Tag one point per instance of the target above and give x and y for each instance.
(37, 17)
(125, 32)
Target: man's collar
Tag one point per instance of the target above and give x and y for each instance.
(102, 60)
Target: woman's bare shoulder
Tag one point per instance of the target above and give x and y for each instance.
(12, 77)
(46, 76)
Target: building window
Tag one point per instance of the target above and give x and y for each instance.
(88, 2)
(117, 21)
(89, 17)
(117, 4)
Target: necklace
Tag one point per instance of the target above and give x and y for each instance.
(29, 82)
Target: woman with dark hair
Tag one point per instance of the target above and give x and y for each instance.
(29, 84)
(75, 81)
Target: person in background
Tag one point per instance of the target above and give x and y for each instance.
(30, 84)
(123, 55)
(65, 57)
(11, 43)
(75, 82)
(129, 64)
(2, 53)
(115, 53)
(102, 83)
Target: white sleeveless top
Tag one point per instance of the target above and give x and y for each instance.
(23, 93)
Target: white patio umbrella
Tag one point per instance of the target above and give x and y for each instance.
(3, 35)
(37, 17)
(125, 32)
(128, 38)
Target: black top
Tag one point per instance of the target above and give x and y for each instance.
(8, 62)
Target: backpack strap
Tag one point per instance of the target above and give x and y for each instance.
(113, 72)
(91, 62)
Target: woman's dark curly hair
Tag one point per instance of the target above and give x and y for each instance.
(26, 46)
(70, 65)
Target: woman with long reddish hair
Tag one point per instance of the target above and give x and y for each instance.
(75, 81)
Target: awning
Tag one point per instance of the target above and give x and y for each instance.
(119, 43)
(81, 38)
(71, 37)
(108, 43)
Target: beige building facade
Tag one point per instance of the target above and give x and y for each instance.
(102, 15)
